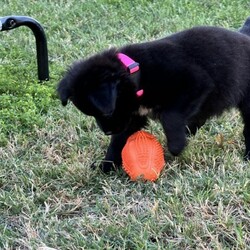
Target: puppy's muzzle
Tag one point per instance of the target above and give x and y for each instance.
(106, 123)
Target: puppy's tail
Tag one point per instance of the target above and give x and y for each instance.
(245, 29)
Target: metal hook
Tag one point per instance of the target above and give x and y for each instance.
(11, 22)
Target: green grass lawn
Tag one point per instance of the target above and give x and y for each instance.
(49, 196)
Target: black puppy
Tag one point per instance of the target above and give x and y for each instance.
(181, 80)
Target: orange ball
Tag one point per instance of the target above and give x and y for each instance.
(143, 157)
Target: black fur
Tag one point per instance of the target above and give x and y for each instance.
(187, 78)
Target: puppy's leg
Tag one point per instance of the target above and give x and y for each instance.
(174, 120)
(113, 157)
(246, 133)
(245, 111)
(175, 131)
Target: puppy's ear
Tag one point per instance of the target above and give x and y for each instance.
(64, 91)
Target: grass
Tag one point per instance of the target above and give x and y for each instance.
(49, 196)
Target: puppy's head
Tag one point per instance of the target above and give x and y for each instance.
(101, 87)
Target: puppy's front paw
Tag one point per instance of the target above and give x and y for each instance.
(105, 166)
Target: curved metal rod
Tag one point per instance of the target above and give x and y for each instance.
(12, 22)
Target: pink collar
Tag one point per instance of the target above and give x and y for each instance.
(132, 68)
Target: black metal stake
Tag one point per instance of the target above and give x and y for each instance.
(12, 22)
